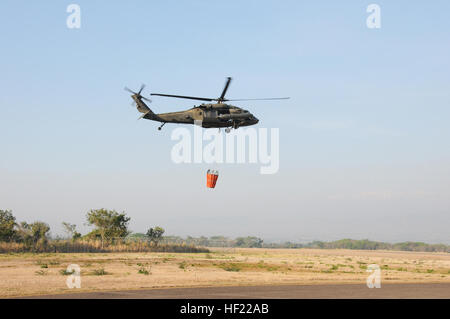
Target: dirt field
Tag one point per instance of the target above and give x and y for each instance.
(35, 274)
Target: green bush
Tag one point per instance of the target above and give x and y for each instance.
(99, 272)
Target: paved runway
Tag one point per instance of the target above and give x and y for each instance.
(360, 291)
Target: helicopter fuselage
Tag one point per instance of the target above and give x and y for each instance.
(210, 115)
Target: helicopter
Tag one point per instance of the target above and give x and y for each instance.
(212, 115)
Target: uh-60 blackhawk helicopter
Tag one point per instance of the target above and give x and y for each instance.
(211, 115)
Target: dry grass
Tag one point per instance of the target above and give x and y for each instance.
(25, 274)
(96, 246)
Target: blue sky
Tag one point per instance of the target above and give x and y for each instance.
(364, 139)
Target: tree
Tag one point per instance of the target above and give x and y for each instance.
(70, 229)
(33, 233)
(108, 223)
(155, 234)
(24, 233)
(39, 231)
(249, 242)
(7, 225)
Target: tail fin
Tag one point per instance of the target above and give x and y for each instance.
(141, 106)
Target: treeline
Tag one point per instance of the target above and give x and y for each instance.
(110, 234)
(364, 244)
(215, 241)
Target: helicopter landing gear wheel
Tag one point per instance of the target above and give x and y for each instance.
(227, 130)
(159, 128)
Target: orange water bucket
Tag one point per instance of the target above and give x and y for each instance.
(211, 178)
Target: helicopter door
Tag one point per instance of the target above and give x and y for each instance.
(209, 115)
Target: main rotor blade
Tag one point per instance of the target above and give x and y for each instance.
(268, 98)
(185, 97)
(222, 96)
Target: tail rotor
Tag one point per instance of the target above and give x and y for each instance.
(138, 100)
(138, 94)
